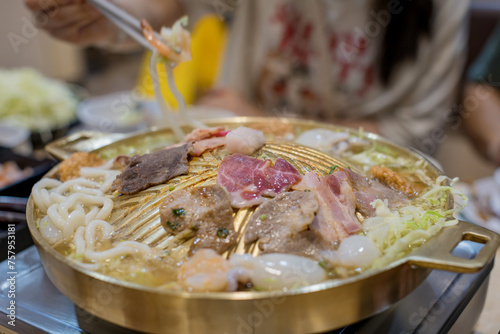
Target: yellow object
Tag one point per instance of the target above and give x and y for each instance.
(207, 44)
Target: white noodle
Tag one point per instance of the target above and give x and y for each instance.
(76, 212)
(181, 102)
(161, 99)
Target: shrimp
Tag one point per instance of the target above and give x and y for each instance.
(173, 44)
(206, 271)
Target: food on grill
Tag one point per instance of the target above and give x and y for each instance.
(244, 140)
(144, 171)
(225, 222)
(70, 168)
(205, 212)
(248, 179)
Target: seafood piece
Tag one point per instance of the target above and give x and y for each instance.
(281, 225)
(244, 140)
(356, 251)
(204, 210)
(247, 179)
(206, 271)
(278, 271)
(321, 139)
(174, 43)
(70, 168)
(144, 171)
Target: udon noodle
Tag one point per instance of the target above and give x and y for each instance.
(75, 212)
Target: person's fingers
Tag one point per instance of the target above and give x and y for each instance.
(67, 16)
(49, 5)
(85, 32)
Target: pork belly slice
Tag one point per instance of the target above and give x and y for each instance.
(205, 139)
(204, 210)
(144, 171)
(205, 133)
(367, 190)
(336, 218)
(199, 147)
(281, 225)
(247, 179)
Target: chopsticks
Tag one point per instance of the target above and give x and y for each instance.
(12, 209)
(126, 22)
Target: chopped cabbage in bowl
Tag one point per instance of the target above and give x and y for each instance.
(29, 99)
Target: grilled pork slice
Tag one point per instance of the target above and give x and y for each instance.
(247, 179)
(367, 190)
(204, 210)
(144, 171)
(336, 218)
(205, 139)
(281, 225)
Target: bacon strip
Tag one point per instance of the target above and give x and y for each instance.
(336, 218)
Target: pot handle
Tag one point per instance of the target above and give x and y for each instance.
(82, 141)
(437, 254)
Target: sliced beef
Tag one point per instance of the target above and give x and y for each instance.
(144, 171)
(247, 179)
(206, 211)
(281, 225)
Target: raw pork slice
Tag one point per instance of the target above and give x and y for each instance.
(247, 179)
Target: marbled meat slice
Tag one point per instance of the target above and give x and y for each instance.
(247, 179)
(336, 218)
(205, 210)
(144, 171)
(281, 225)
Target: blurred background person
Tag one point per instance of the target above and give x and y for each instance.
(392, 67)
(482, 100)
